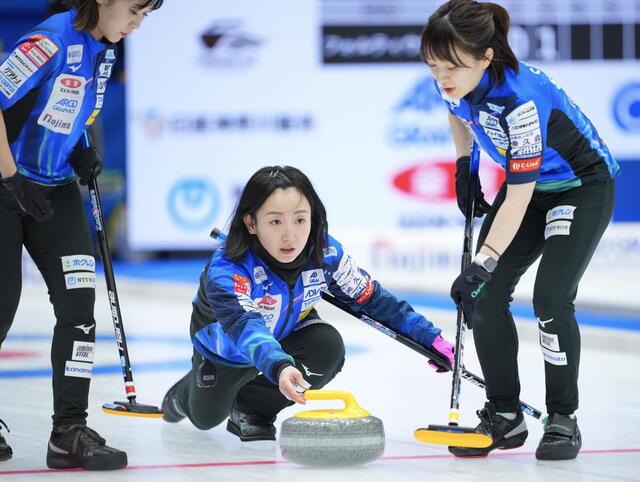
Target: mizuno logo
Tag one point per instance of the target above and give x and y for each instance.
(310, 373)
(544, 322)
(85, 328)
(74, 68)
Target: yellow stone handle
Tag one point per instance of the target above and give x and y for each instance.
(351, 408)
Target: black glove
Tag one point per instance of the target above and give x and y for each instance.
(84, 161)
(462, 189)
(28, 197)
(468, 288)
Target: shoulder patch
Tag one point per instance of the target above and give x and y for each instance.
(525, 136)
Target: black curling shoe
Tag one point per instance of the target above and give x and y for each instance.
(172, 412)
(5, 451)
(506, 434)
(250, 427)
(77, 446)
(561, 439)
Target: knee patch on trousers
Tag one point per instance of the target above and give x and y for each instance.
(79, 271)
(550, 343)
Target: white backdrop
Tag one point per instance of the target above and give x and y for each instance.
(223, 88)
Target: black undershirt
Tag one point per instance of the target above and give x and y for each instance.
(289, 272)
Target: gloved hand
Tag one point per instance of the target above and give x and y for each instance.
(446, 349)
(84, 161)
(462, 189)
(468, 288)
(28, 197)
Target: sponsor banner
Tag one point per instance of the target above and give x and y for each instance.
(374, 139)
(428, 260)
(349, 44)
(389, 30)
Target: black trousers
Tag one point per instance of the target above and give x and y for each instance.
(62, 248)
(209, 390)
(565, 229)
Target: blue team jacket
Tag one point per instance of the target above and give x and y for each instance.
(242, 311)
(52, 86)
(533, 129)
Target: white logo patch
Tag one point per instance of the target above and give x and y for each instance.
(75, 281)
(74, 54)
(102, 85)
(83, 351)
(560, 212)
(555, 358)
(259, 275)
(549, 341)
(105, 70)
(20, 60)
(524, 131)
(557, 228)
(313, 277)
(330, 251)
(491, 126)
(110, 55)
(349, 278)
(47, 46)
(13, 74)
(64, 104)
(312, 295)
(77, 369)
(496, 108)
(79, 262)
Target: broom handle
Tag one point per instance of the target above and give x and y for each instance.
(467, 250)
(114, 303)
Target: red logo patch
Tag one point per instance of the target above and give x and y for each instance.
(71, 83)
(267, 301)
(525, 165)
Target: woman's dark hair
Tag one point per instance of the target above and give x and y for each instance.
(255, 193)
(472, 27)
(87, 16)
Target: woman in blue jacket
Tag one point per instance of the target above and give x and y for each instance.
(555, 204)
(52, 87)
(258, 340)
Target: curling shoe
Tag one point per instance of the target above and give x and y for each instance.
(5, 451)
(172, 412)
(561, 439)
(77, 446)
(250, 427)
(506, 434)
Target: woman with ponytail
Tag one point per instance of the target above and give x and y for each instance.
(555, 204)
(52, 87)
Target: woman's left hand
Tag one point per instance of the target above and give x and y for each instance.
(446, 349)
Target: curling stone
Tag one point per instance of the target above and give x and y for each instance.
(334, 437)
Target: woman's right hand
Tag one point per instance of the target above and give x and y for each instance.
(482, 207)
(289, 379)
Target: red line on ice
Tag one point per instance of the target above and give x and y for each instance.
(277, 462)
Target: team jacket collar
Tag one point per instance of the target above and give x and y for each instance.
(482, 89)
